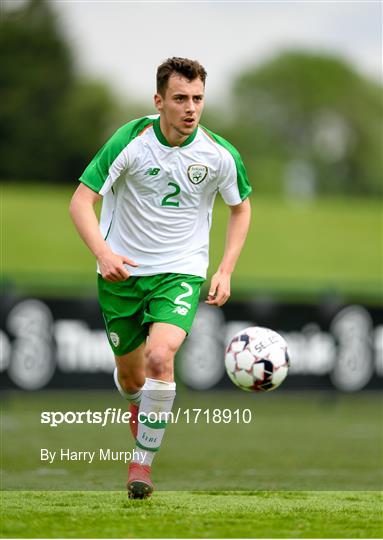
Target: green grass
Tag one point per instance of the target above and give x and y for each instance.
(307, 465)
(329, 244)
(193, 515)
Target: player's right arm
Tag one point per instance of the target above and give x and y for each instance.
(83, 214)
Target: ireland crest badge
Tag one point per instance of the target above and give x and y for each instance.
(197, 173)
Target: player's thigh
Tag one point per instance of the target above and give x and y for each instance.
(165, 336)
(132, 363)
(163, 342)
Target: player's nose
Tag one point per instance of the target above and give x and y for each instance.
(190, 105)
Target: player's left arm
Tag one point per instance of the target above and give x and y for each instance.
(238, 226)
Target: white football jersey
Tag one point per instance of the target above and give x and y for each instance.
(158, 199)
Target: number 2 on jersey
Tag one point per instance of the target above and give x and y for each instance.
(166, 200)
(189, 291)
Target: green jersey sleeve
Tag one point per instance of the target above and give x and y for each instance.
(112, 159)
(241, 179)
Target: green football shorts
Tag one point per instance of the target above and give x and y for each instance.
(130, 306)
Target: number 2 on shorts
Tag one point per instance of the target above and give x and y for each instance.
(189, 291)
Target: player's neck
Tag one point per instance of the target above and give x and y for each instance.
(173, 137)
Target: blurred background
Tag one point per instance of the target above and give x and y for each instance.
(297, 88)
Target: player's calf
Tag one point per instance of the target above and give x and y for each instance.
(133, 419)
(134, 399)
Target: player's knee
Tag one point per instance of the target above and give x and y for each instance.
(131, 381)
(159, 362)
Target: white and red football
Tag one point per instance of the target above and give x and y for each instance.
(257, 359)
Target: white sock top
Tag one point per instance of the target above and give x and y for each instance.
(156, 384)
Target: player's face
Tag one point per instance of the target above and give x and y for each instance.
(181, 107)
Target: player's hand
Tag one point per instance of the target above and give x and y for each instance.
(112, 266)
(219, 291)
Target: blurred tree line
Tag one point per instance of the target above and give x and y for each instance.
(310, 123)
(304, 123)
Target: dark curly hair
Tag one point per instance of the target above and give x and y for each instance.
(191, 69)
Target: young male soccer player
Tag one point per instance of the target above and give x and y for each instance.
(158, 177)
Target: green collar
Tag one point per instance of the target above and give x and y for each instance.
(162, 139)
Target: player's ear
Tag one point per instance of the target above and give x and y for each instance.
(158, 102)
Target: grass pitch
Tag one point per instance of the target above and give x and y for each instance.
(193, 515)
(308, 465)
